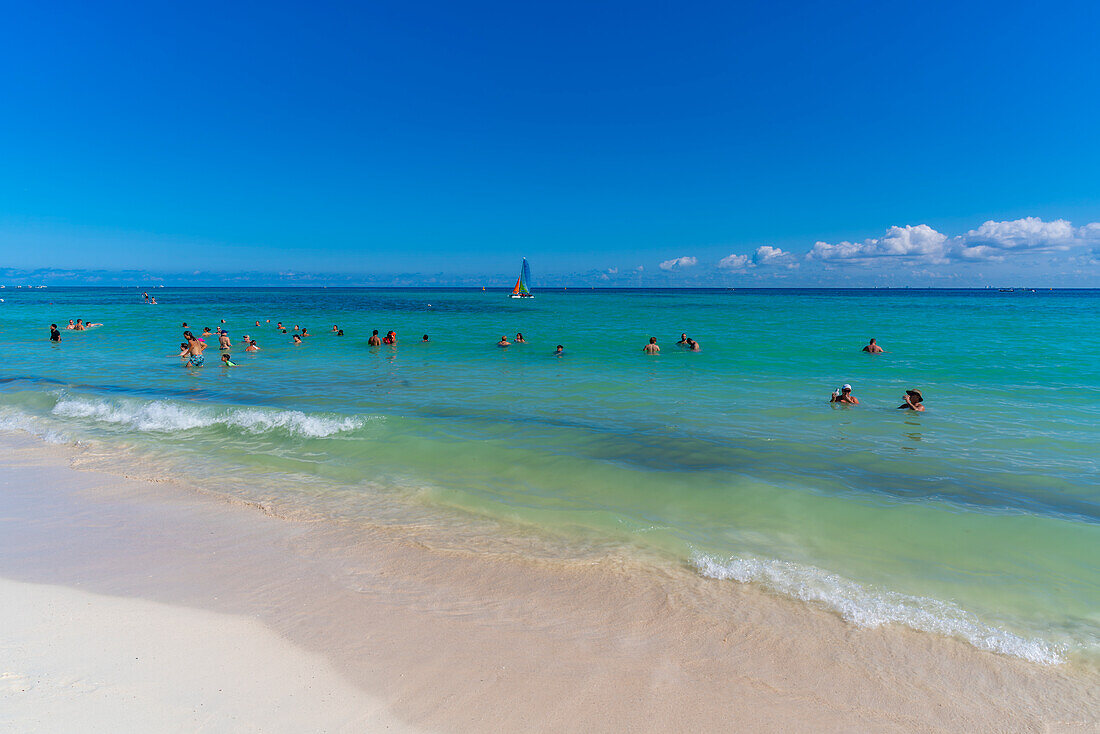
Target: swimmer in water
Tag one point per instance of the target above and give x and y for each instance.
(252, 347)
(279, 325)
(334, 329)
(424, 340)
(844, 395)
(652, 347)
(227, 361)
(340, 332)
(55, 335)
(257, 323)
(184, 351)
(223, 340)
(72, 326)
(559, 351)
(79, 325)
(520, 339)
(304, 332)
(390, 337)
(90, 325)
(297, 339)
(913, 401)
(374, 341)
(206, 331)
(873, 348)
(692, 345)
(504, 342)
(683, 340)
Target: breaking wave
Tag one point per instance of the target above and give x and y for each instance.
(165, 416)
(866, 607)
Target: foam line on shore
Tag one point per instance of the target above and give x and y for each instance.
(866, 607)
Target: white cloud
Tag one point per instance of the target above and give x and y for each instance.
(768, 255)
(640, 268)
(612, 271)
(1030, 233)
(995, 241)
(920, 242)
(734, 262)
(678, 262)
(763, 256)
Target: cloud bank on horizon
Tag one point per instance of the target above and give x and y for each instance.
(1001, 249)
(1057, 253)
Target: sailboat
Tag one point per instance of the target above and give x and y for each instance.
(520, 291)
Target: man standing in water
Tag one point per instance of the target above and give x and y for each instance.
(374, 341)
(504, 342)
(223, 340)
(194, 350)
(55, 335)
(652, 347)
(873, 348)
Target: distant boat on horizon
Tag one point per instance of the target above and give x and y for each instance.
(520, 290)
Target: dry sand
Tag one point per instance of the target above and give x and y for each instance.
(375, 628)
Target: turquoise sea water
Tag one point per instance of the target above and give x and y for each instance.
(977, 519)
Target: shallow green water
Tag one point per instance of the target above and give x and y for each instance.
(978, 518)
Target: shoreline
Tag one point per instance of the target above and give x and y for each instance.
(453, 641)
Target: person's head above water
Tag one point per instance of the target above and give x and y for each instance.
(652, 340)
(915, 396)
(424, 338)
(297, 339)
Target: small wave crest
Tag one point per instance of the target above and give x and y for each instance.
(866, 607)
(164, 416)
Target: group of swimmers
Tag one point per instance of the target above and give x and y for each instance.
(78, 325)
(685, 342)
(558, 350)
(192, 348)
(912, 400)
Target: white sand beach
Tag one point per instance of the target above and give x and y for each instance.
(138, 606)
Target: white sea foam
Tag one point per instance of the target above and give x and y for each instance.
(867, 607)
(17, 420)
(164, 416)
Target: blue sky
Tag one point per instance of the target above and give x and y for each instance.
(919, 144)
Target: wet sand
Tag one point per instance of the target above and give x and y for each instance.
(403, 634)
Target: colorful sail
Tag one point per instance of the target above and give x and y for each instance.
(521, 284)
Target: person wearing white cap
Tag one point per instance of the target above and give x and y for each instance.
(844, 395)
